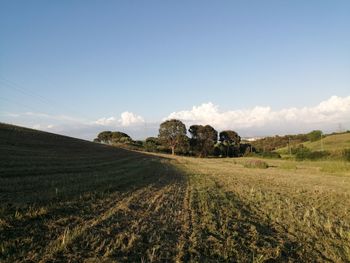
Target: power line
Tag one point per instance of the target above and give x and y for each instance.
(19, 104)
(38, 97)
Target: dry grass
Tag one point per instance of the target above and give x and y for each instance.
(65, 200)
(298, 214)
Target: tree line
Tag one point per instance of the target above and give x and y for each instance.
(172, 138)
(271, 143)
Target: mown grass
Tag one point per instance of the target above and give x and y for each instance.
(67, 200)
(286, 213)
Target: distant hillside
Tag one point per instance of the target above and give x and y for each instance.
(332, 143)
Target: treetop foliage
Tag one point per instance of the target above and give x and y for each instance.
(172, 133)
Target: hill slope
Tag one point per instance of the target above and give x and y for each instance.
(69, 200)
(57, 193)
(333, 143)
(336, 142)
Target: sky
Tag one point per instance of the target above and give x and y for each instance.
(257, 67)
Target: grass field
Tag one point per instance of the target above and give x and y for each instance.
(68, 200)
(333, 143)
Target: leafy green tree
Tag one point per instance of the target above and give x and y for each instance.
(97, 140)
(231, 140)
(151, 144)
(105, 137)
(110, 137)
(203, 139)
(315, 135)
(172, 134)
(120, 137)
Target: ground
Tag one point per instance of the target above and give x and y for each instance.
(68, 200)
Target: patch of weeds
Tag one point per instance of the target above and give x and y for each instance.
(256, 164)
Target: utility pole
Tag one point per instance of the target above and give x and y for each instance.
(322, 142)
(289, 148)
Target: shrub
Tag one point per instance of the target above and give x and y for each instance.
(314, 135)
(346, 155)
(317, 155)
(267, 155)
(256, 164)
(270, 155)
(303, 153)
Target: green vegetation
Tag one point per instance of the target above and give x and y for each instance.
(332, 143)
(334, 146)
(314, 135)
(172, 139)
(69, 200)
(346, 154)
(203, 139)
(268, 144)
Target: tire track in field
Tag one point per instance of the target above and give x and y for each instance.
(146, 229)
(69, 236)
(187, 229)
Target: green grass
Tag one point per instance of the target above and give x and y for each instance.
(333, 143)
(68, 200)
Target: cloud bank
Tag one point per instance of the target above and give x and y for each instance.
(328, 113)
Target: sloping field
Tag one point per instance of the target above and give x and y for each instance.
(334, 143)
(67, 200)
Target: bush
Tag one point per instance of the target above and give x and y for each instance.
(267, 155)
(314, 135)
(256, 164)
(303, 153)
(346, 155)
(317, 155)
(270, 155)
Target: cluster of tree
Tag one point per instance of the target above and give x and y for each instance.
(109, 137)
(271, 143)
(204, 141)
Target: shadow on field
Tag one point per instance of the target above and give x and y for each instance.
(63, 199)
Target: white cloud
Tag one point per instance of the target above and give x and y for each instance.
(129, 118)
(106, 121)
(256, 121)
(126, 119)
(334, 110)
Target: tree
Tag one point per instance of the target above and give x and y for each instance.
(231, 140)
(105, 137)
(97, 140)
(172, 133)
(314, 135)
(203, 139)
(120, 137)
(151, 144)
(109, 137)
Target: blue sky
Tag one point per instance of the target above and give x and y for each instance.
(93, 60)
